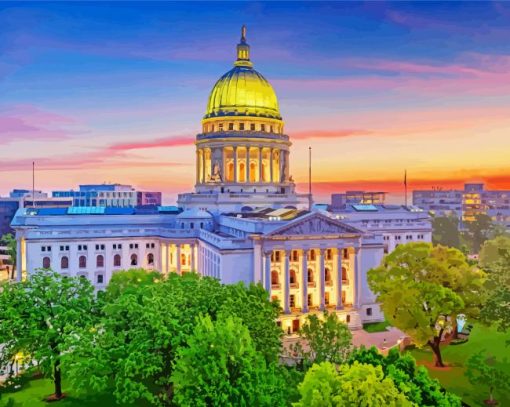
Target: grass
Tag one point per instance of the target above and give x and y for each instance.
(376, 326)
(453, 379)
(34, 391)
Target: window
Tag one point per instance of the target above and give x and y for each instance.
(274, 278)
(99, 279)
(347, 318)
(183, 259)
(346, 254)
(294, 255)
(252, 127)
(292, 301)
(275, 256)
(134, 260)
(329, 254)
(231, 126)
(310, 275)
(327, 275)
(64, 262)
(43, 248)
(82, 262)
(344, 274)
(46, 263)
(100, 261)
(310, 301)
(271, 129)
(293, 279)
(263, 127)
(201, 225)
(241, 126)
(311, 255)
(116, 260)
(192, 225)
(150, 259)
(369, 312)
(220, 126)
(326, 298)
(147, 245)
(153, 245)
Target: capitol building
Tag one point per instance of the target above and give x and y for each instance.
(244, 220)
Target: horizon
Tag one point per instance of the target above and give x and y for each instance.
(115, 92)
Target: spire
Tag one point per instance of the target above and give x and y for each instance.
(243, 51)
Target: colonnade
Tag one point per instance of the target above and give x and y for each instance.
(242, 164)
(315, 278)
(178, 257)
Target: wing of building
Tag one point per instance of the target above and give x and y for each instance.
(243, 222)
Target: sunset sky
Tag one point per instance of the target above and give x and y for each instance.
(115, 92)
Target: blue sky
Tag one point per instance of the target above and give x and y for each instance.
(374, 87)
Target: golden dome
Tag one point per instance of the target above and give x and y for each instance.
(243, 91)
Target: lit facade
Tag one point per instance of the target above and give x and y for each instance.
(243, 222)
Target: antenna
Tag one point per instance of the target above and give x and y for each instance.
(309, 178)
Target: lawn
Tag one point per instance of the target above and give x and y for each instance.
(453, 379)
(33, 392)
(376, 326)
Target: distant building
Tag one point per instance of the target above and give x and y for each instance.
(148, 198)
(339, 201)
(473, 200)
(8, 208)
(109, 195)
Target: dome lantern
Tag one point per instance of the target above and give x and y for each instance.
(243, 51)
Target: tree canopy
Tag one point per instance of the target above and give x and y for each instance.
(39, 316)
(445, 231)
(422, 288)
(356, 384)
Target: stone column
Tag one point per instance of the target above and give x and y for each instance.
(193, 266)
(304, 273)
(270, 165)
(260, 164)
(178, 258)
(235, 164)
(267, 271)
(339, 304)
(322, 278)
(247, 165)
(357, 279)
(286, 279)
(19, 261)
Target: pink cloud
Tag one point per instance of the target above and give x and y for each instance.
(175, 141)
(334, 134)
(30, 122)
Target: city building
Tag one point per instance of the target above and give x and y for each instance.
(339, 201)
(114, 195)
(473, 200)
(243, 222)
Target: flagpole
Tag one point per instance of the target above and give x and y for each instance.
(309, 178)
(405, 186)
(33, 184)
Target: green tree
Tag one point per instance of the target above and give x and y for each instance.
(494, 251)
(483, 370)
(356, 384)
(326, 339)
(423, 288)
(445, 231)
(10, 242)
(478, 231)
(39, 315)
(132, 279)
(412, 380)
(221, 367)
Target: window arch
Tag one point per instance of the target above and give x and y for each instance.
(292, 277)
(64, 262)
(82, 262)
(150, 259)
(310, 275)
(327, 275)
(100, 261)
(116, 260)
(274, 278)
(46, 263)
(134, 260)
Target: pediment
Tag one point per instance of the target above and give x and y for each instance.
(315, 224)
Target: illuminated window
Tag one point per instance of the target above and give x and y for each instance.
(46, 263)
(64, 262)
(231, 126)
(241, 126)
(252, 126)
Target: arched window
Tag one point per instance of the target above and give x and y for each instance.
(183, 259)
(134, 260)
(46, 263)
(82, 262)
(116, 260)
(274, 278)
(292, 277)
(327, 275)
(311, 255)
(64, 262)
(310, 275)
(150, 259)
(100, 261)
(344, 274)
